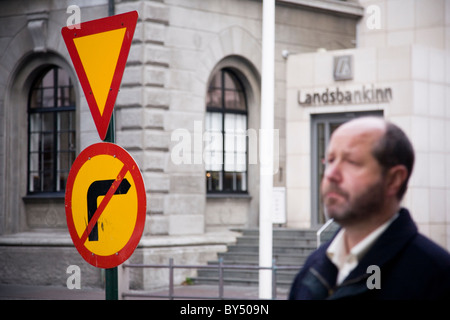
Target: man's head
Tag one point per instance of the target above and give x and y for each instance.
(369, 162)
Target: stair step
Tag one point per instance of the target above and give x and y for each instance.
(279, 242)
(242, 276)
(276, 250)
(249, 272)
(227, 272)
(253, 258)
(280, 232)
(291, 248)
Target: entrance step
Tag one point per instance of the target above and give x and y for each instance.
(291, 247)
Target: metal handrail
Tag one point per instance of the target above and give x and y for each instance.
(322, 229)
(220, 267)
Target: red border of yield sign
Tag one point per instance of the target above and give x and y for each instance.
(128, 20)
(129, 165)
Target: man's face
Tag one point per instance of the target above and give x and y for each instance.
(353, 185)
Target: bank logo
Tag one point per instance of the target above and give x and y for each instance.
(343, 68)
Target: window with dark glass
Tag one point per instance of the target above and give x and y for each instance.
(51, 131)
(226, 134)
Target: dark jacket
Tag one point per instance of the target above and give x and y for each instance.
(411, 267)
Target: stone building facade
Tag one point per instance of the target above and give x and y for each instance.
(187, 60)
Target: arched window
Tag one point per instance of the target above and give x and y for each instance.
(226, 132)
(51, 131)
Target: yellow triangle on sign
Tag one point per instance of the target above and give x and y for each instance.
(99, 54)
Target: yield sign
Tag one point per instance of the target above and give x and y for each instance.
(99, 51)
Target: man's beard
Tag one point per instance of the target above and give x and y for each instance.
(355, 209)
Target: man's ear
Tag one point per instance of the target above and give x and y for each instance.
(395, 178)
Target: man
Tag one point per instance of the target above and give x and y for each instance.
(378, 252)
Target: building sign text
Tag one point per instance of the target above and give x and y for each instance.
(338, 96)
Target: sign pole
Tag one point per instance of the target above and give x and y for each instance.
(111, 274)
(111, 284)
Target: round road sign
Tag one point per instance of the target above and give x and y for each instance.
(105, 204)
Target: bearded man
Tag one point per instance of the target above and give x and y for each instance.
(378, 252)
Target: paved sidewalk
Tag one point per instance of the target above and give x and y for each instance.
(192, 292)
(25, 292)
(198, 292)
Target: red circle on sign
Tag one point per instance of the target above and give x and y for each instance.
(129, 166)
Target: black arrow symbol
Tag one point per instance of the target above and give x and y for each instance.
(100, 188)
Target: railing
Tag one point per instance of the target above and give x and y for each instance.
(322, 229)
(124, 286)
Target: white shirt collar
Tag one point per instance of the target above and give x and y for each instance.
(346, 262)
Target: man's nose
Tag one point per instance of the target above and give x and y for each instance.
(333, 171)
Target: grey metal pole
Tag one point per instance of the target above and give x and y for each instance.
(266, 148)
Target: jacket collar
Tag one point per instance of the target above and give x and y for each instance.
(389, 244)
(385, 248)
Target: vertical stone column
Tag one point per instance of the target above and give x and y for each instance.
(155, 99)
(142, 106)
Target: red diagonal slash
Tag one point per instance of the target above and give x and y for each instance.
(104, 203)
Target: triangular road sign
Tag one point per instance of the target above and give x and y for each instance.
(99, 51)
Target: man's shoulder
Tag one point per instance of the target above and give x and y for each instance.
(424, 247)
(405, 232)
(423, 269)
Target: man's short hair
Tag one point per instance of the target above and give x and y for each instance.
(395, 148)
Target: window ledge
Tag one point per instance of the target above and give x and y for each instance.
(39, 197)
(345, 8)
(228, 196)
